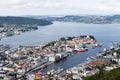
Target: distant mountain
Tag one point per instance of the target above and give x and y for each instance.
(23, 20)
(83, 19)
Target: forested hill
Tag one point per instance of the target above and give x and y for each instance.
(112, 75)
(23, 20)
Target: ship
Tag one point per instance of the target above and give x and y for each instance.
(80, 50)
(60, 56)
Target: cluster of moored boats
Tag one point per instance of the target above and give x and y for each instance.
(53, 72)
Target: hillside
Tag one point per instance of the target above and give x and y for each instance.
(23, 20)
(112, 75)
(94, 19)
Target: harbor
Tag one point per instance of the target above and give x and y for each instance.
(28, 60)
(85, 69)
(60, 40)
(106, 60)
(66, 63)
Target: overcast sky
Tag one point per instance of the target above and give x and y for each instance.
(58, 7)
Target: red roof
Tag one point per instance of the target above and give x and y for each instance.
(97, 63)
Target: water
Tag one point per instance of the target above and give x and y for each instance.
(104, 33)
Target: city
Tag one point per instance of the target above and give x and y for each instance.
(59, 40)
(26, 60)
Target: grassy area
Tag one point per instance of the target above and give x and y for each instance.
(49, 44)
(112, 75)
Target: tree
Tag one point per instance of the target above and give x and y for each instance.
(63, 39)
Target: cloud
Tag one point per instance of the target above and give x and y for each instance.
(60, 7)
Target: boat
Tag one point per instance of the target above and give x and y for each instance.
(40, 68)
(37, 70)
(60, 56)
(90, 58)
(59, 70)
(53, 72)
(98, 45)
(80, 50)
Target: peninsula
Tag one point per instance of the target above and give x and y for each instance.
(10, 26)
(26, 61)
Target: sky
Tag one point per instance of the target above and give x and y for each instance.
(59, 7)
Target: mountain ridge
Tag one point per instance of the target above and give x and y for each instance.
(23, 21)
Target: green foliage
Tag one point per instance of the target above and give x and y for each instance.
(113, 62)
(92, 37)
(23, 20)
(50, 79)
(62, 39)
(112, 75)
(49, 44)
(83, 36)
(70, 38)
(105, 54)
